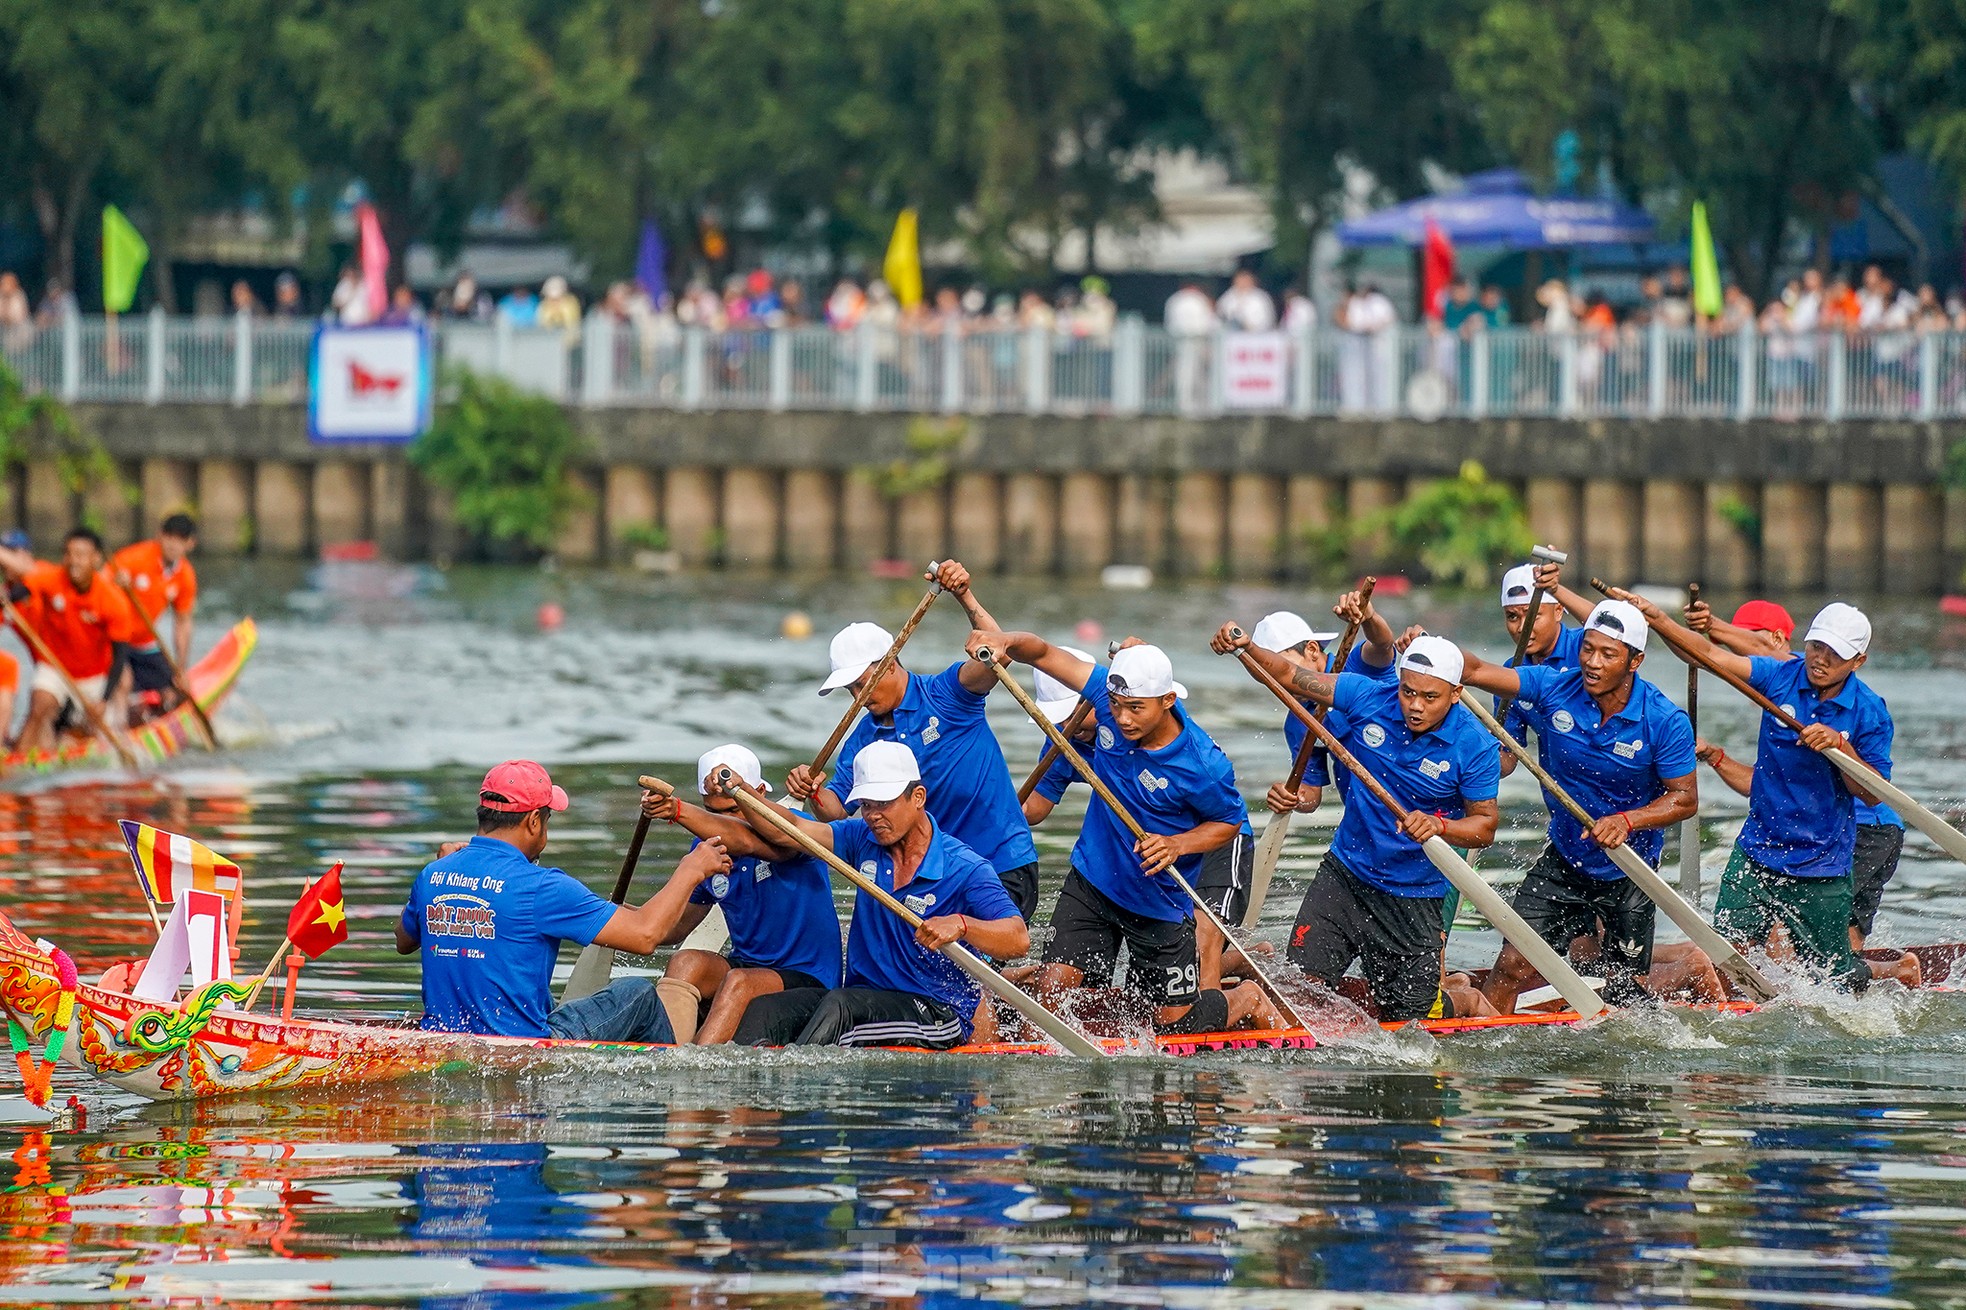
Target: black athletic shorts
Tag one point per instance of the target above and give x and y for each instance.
(792, 980)
(1563, 903)
(1225, 877)
(1022, 884)
(1086, 932)
(149, 670)
(1878, 847)
(850, 1016)
(1396, 939)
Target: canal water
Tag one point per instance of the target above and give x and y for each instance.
(1812, 1154)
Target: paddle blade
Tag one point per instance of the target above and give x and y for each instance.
(1269, 848)
(591, 972)
(1556, 970)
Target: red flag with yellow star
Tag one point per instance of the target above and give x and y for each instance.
(319, 919)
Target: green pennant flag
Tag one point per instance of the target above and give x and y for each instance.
(124, 254)
(1706, 266)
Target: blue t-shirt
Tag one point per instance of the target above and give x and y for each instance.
(1802, 819)
(1318, 772)
(1563, 655)
(881, 949)
(491, 922)
(779, 914)
(1869, 815)
(1438, 772)
(969, 788)
(1059, 778)
(1606, 766)
(1179, 787)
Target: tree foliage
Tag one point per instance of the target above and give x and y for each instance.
(507, 458)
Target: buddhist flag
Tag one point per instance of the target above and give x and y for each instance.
(169, 865)
(903, 266)
(1707, 299)
(319, 919)
(124, 253)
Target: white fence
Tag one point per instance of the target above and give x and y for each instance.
(1137, 369)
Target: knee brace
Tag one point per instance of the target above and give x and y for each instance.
(682, 1002)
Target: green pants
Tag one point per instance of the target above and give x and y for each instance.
(1816, 911)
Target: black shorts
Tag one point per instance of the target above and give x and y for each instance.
(1396, 939)
(1022, 884)
(149, 670)
(1086, 932)
(1563, 903)
(1878, 847)
(1225, 877)
(850, 1016)
(791, 979)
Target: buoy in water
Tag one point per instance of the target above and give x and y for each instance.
(1088, 632)
(796, 626)
(551, 616)
(1126, 577)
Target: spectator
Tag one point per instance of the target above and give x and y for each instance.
(1299, 312)
(1245, 306)
(948, 309)
(1884, 306)
(404, 309)
(1931, 316)
(1459, 314)
(1365, 375)
(14, 311)
(243, 299)
(1651, 291)
(1554, 298)
(846, 306)
(1598, 315)
(1841, 307)
(792, 308)
(1189, 312)
(349, 302)
(1675, 307)
(1494, 309)
(976, 302)
(1097, 312)
(762, 306)
(1033, 312)
(57, 305)
(1804, 311)
(466, 300)
(1736, 311)
(287, 301)
(559, 307)
(519, 307)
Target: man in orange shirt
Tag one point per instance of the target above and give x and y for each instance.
(80, 615)
(159, 574)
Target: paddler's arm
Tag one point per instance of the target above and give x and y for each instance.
(1679, 634)
(1379, 649)
(822, 833)
(1737, 774)
(639, 930)
(953, 578)
(1038, 808)
(1159, 851)
(15, 563)
(1550, 578)
(738, 837)
(1485, 675)
(1473, 831)
(1029, 648)
(1001, 939)
(1680, 802)
(1308, 684)
(809, 788)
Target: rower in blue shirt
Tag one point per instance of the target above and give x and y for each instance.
(1376, 899)
(940, 717)
(1625, 753)
(1290, 636)
(778, 908)
(488, 922)
(1179, 786)
(899, 990)
(1791, 862)
(1553, 644)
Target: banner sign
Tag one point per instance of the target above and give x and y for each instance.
(1255, 370)
(369, 384)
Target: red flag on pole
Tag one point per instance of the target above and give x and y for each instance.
(319, 919)
(1436, 271)
(375, 260)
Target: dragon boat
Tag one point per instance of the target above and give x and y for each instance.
(210, 682)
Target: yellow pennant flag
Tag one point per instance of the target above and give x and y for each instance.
(903, 266)
(124, 253)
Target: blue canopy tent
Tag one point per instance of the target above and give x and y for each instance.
(1497, 208)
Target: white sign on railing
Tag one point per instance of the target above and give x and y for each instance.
(369, 384)
(1255, 370)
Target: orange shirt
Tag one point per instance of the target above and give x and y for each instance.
(79, 627)
(157, 586)
(9, 672)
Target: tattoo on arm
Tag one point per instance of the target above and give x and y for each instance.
(1312, 684)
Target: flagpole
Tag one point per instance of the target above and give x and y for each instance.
(266, 974)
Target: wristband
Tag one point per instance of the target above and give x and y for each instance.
(962, 932)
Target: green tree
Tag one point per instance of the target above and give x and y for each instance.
(507, 459)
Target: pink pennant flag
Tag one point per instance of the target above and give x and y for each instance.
(375, 260)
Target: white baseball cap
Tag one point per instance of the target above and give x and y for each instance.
(1054, 697)
(740, 760)
(1283, 629)
(1142, 671)
(1620, 619)
(883, 770)
(1843, 628)
(1518, 584)
(1437, 657)
(856, 648)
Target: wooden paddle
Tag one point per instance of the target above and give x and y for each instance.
(89, 708)
(1270, 847)
(178, 683)
(1284, 1009)
(1542, 555)
(1073, 724)
(874, 675)
(1725, 956)
(595, 967)
(1689, 831)
(1576, 993)
(1067, 1036)
(1948, 838)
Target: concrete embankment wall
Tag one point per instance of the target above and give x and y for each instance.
(1848, 506)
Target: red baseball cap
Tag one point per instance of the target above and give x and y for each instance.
(518, 787)
(1765, 616)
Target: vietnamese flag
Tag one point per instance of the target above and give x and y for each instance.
(1436, 272)
(319, 919)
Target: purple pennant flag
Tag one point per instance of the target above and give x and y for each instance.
(649, 262)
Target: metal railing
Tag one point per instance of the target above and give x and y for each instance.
(1136, 369)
